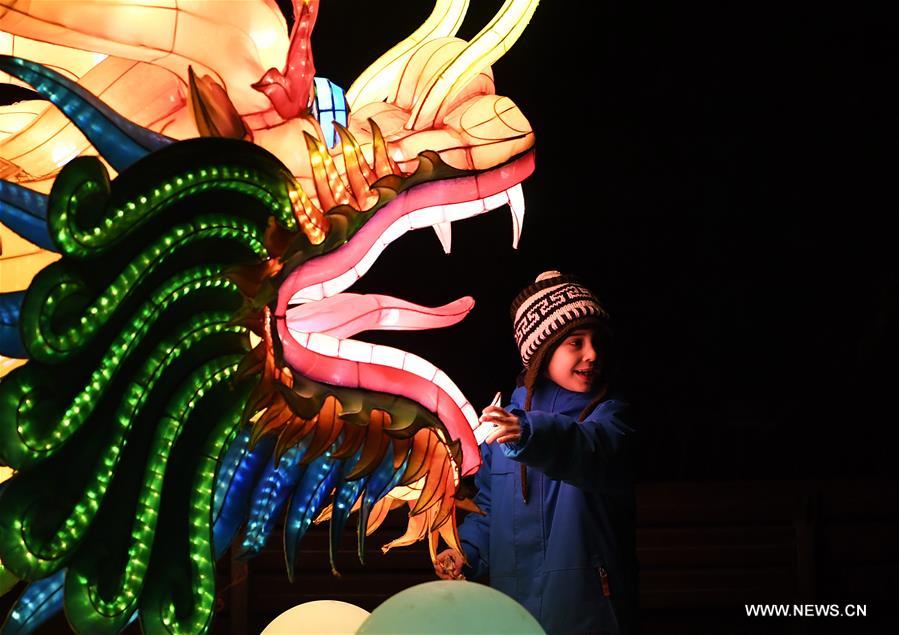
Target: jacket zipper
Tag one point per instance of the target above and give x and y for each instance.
(604, 580)
(524, 483)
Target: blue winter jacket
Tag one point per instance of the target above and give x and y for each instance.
(568, 554)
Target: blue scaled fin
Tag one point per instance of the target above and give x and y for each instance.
(10, 336)
(237, 476)
(308, 499)
(269, 497)
(382, 480)
(118, 140)
(345, 495)
(24, 211)
(40, 601)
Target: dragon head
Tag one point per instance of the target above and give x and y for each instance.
(426, 142)
(244, 320)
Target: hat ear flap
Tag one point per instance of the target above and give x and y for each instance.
(530, 380)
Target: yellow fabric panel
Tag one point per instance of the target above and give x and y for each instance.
(7, 364)
(20, 261)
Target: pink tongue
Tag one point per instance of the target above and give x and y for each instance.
(346, 314)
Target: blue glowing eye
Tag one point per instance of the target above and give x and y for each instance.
(329, 106)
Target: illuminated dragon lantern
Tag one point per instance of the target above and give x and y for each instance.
(181, 220)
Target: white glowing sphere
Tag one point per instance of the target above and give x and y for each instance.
(322, 617)
(450, 607)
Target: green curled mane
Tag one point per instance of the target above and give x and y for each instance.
(132, 390)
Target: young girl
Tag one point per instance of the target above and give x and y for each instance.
(556, 483)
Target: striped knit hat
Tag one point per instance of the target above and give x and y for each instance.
(544, 313)
(554, 303)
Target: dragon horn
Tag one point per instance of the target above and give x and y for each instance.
(377, 81)
(483, 50)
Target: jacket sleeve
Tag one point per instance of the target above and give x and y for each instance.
(474, 533)
(579, 453)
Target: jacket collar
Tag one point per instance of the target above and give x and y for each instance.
(551, 397)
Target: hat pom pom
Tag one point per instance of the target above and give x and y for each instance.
(546, 275)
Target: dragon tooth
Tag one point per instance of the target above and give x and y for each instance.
(466, 209)
(301, 338)
(323, 344)
(426, 216)
(496, 200)
(444, 233)
(369, 258)
(397, 228)
(516, 204)
(449, 387)
(338, 284)
(387, 356)
(470, 415)
(419, 366)
(355, 351)
(312, 293)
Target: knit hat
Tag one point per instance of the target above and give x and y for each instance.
(545, 312)
(551, 304)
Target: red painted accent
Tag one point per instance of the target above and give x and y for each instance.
(290, 91)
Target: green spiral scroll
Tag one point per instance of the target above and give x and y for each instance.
(117, 422)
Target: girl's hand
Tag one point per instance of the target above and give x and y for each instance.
(508, 427)
(449, 565)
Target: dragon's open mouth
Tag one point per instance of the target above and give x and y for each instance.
(316, 319)
(148, 428)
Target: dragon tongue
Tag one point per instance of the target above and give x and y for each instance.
(346, 314)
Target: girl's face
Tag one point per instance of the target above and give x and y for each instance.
(574, 364)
